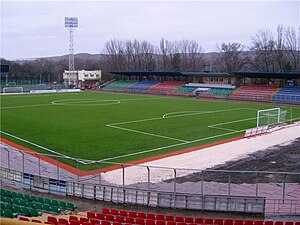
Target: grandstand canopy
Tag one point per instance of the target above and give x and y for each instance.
(269, 75)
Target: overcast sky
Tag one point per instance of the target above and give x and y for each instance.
(31, 29)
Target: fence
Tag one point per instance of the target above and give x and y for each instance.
(219, 190)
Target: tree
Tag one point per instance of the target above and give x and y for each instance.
(231, 57)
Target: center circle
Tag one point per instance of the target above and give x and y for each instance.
(85, 102)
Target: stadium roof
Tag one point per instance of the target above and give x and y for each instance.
(278, 75)
(169, 73)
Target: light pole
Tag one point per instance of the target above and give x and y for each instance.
(71, 23)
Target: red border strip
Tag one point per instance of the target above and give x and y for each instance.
(75, 171)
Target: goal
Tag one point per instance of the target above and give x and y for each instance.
(267, 117)
(12, 90)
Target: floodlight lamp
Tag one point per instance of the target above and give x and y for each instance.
(71, 22)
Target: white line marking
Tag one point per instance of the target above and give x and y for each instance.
(24, 106)
(84, 161)
(146, 133)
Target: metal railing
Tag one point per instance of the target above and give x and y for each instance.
(157, 186)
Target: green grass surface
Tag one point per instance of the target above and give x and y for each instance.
(98, 126)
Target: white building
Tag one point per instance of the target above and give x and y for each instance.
(82, 78)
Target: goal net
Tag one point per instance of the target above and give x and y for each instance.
(269, 117)
(12, 90)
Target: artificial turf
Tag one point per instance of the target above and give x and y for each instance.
(106, 126)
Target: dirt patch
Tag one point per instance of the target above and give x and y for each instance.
(278, 158)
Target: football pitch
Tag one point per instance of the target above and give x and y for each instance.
(121, 127)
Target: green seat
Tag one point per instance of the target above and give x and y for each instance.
(63, 204)
(54, 202)
(8, 213)
(8, 193)
(34, 212)
(23, 203)
(2, 198)
(30, 205)
(40, 200)
(71, 206)
(55, 209)
(33, 198)
(25, 211)
(14, 194)
(38, 206)
(16, 202)
(26, 197)
(3, 192)
(9, 200)
(17, 209)
(46, 208)
(20, 195)
(47, 201)
(10, 207)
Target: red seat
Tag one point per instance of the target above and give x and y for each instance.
(198, 220)
(278, 223)
(129, 220)
(104, 222)
(91, 215)
(150, 222)
(83, 220)
(179, 219)
(218, 221)
(208, 221)
(160, 217)
(114, 212)
(72, 217)
(141, 215)
(257, 222)
(238, 222)
(248, 222)
(117, 223)
(74, 222)
(109, 217)
(63, 221)
(86, 223)
(52, 219)
(38, 221)
(188, 219)
(228, 222)
(139, 221)
(48, 223)
(24, 219)
(94, 222)
(132, 214)
(268, 222)
(297, 223)
(169, 218)
(150, 216)
(105, 211)
(120, 219)
(123, 213)
(289, 223)
(160, 222)
(181, 223)
(100, 216)
(171, 223)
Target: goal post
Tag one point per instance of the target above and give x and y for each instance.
(12, 90)
(272, 116)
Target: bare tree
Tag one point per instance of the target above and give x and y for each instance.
(231, 57)
(292, 47)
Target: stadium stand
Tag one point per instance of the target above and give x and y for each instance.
(254, 92)
(142, 86)
(121, 85)
(123, 217)
(165, 87)
(184, 90)
(288, 94)
(15, 203)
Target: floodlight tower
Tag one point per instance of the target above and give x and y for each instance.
(71, 23)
